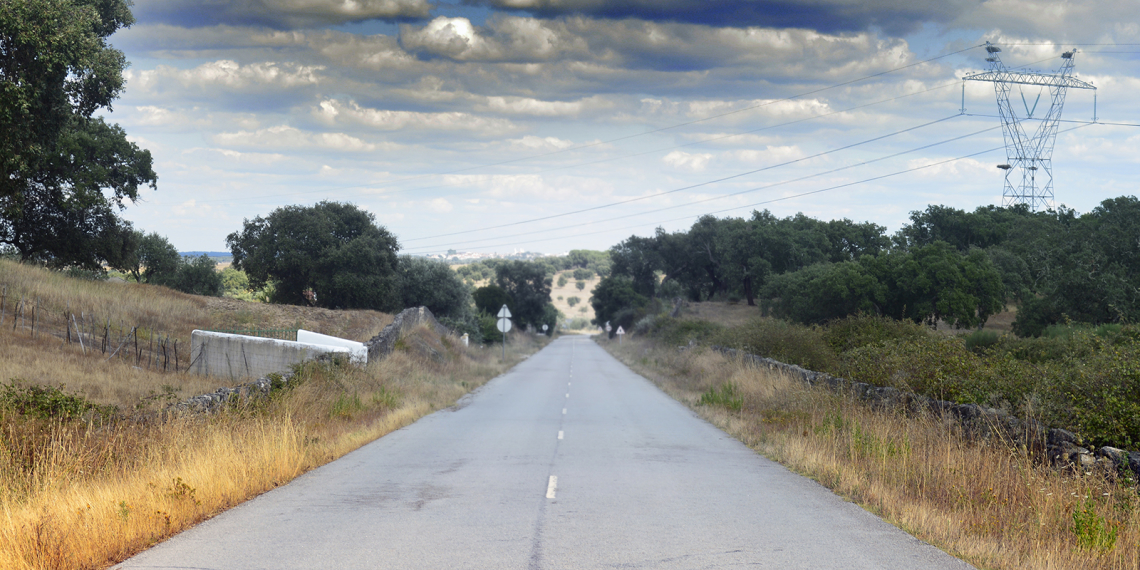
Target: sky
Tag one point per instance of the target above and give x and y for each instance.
(500, 126)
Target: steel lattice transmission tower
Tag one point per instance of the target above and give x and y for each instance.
(1028, 155)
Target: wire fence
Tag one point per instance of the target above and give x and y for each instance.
(143, 346)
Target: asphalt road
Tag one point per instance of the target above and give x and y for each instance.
(569, 461)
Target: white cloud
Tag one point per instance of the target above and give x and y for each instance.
(770, 155)
(531, 142)
(332, 111)
(691, 162)
(229, 74)
(289, 137)
(439, 205)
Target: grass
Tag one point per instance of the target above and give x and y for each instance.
(988, 502)
(91, 470)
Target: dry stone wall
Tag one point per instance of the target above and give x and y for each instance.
(378, 347)
(1061, 448)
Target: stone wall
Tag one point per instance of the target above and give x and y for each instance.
(238, 356)
(358, 351)
(375, 349)
(382, 344)
(1061, 448)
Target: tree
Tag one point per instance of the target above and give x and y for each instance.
(333, 250)
(61, 171)
(528, 284)
(491, 298)
(824, 292)
(157, 260)
(432, 283)
(614, 296)
(935, 282)
(199, 276)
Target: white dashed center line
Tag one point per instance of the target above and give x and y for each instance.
(564, 411)
(559, 434)
(551, 487)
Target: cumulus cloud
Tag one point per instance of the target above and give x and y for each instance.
(332, 111)
(227, 74)
(532, 187)
(894, 16)
(280, 14)
(690, 162)
(289, 137)
(502, 39)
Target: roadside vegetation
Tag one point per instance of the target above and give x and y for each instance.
(97, 468)
(989, 502)
(1078, 377)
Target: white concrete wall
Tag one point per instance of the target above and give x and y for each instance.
(359, 351)
(239, 356)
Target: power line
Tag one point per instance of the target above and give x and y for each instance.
(690, 187)
(626, 137)
(633, 155)
(691, 216)
(770, 201)
(723, 196)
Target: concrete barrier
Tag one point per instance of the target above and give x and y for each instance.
(238, 356)
(358, 350)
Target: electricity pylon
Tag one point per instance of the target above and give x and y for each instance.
(1028, 155)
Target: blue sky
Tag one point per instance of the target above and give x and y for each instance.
(550, 125)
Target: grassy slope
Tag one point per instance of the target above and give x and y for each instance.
(86, 494)
(986, 502)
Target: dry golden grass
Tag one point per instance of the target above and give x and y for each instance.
(106, 312)
(89, 493)
(571, 290)
(82, 495)
(986, 502)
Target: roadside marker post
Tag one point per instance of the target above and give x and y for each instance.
(504, 326)
(620, 333)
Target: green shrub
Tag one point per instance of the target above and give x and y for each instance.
(863, 329)
(47, 402)
(978, 341)
(787, 342)
(727, 396)
(678, 332)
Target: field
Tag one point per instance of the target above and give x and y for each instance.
(95, 469)
(559, 296)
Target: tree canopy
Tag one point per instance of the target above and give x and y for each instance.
(431, 283)
(529, 286)
(63, 172)
(330, 254)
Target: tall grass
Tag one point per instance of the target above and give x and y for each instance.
(987, 502)
(91, 489)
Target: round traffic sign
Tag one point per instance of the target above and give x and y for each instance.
(504, 325)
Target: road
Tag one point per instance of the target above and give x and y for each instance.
(568, 461)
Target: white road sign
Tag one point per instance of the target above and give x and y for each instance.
(504, 313)
(621, 330)
(504, 325)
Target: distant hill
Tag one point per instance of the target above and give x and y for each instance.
(209, 253)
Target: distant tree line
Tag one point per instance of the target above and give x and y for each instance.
(945, 265)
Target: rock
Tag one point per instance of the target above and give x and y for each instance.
(1118, 457)
(1059, 436)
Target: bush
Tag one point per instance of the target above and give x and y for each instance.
(583, 274)
(783, 341)
(863, 329)
(678, 332)
(979, 341)
(562, 280)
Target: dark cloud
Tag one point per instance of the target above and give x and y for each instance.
(830, 16)
(278, 14)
